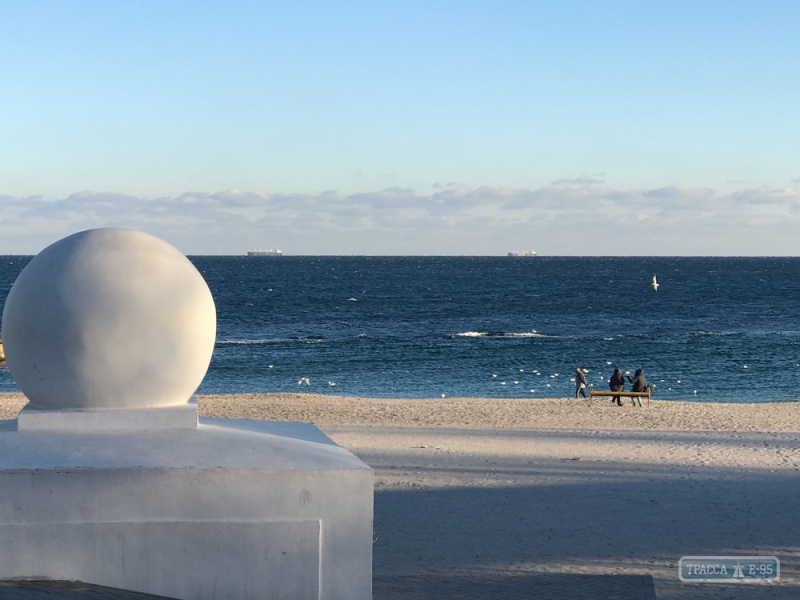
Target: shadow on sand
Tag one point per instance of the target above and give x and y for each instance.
(567, 521)
(541, 586)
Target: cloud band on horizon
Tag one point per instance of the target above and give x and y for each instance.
(568, 217)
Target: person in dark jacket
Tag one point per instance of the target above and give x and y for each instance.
(617, 384)
(639, 382)
(580, 383)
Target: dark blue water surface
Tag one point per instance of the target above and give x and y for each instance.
(426, 326)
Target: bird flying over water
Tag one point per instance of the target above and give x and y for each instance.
(655, 283)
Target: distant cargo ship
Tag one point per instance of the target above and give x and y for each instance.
(269, 252)
(522, 253)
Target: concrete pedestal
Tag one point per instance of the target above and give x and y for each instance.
(231, 509)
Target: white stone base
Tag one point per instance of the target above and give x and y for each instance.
(233, 509)
(94, 419)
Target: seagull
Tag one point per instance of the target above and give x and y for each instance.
(331, 383)
(304, 379)
(655, 283)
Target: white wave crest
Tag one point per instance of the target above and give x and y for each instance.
(715, 333)
(524, 334)
(300, 340)
(244, 342)
(533, 333)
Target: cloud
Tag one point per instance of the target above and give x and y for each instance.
(578, 181)
(569, 216)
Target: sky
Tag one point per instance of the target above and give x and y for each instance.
(410, 128)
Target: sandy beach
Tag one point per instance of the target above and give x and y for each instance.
(480, 488)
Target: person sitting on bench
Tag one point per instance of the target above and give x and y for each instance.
(639, 382)
(617, 384)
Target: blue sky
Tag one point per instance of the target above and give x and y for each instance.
(404, 128)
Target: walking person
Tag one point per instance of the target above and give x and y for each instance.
(617, 384)
(580, 383)
(639, 382)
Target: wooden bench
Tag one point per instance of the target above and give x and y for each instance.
(598, 394)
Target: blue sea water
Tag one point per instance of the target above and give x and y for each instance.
(461, 326)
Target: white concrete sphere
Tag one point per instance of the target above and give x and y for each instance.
(109, 318)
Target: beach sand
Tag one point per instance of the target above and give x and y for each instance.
(511, 488)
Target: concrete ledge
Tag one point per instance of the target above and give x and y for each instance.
(94, 419)
(231, 510)
(176, 559)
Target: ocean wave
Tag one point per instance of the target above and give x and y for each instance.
(246, 342)
(715, 333)
(523, 334)
(471, 334)
(756, 334)
(302, 340)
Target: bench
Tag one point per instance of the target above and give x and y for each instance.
(609, 393)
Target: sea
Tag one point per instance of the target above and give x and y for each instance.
(717, 329)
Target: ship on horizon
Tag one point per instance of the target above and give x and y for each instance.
(269, 252)
(522, 253)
